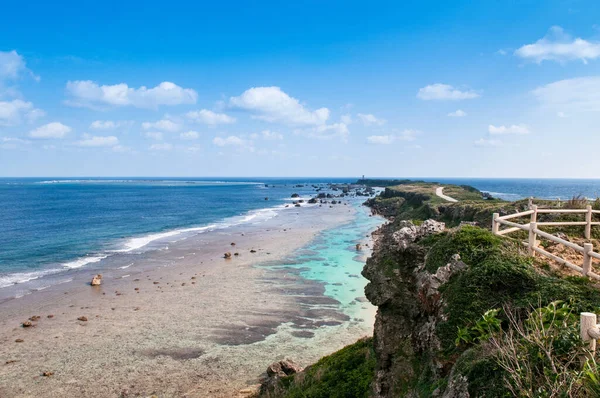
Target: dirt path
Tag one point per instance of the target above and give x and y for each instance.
(439, 191)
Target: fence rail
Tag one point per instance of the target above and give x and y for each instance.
(587, 250)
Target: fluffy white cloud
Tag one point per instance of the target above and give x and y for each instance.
(273, 105)
(209, 117)
(572, 95)
(154, 135)
(162, 125)
(440, 91)
(109, 124)
(381, 139)
(519, 129)
(11, 65)
(232, 140)
(405, 135)
(458, 113)
(370, 120)
(559, 46)
(50, 130)
(13, 112)
(268, 135)
(346, 119)
(161, 147)
(94, 141)
(484, 142)
(89, 93)
(189, 135)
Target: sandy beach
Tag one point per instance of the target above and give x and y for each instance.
(190, 323)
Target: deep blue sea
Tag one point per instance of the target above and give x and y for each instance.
(48, 224)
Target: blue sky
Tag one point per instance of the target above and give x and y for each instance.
(309, 88)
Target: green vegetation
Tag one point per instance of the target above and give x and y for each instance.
(471, 243)
(417, 201)
(348, 373)
(505, 325)
(542, 356)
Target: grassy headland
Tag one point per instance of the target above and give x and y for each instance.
(461, 312)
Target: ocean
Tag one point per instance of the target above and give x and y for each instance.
(50, 225)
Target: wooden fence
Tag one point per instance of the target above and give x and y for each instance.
(587, 251)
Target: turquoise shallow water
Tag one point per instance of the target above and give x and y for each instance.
(332, 259)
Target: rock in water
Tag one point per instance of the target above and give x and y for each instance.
(227, 255)
(96, 280)
(358, 247)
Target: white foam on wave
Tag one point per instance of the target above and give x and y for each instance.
(139, 242)
(22, 277)
(253, 216)
(80, 262)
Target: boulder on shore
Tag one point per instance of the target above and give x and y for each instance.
(227, 255)
(295, 195)
(96, 280)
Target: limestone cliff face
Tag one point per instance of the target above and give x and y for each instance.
(409, 306)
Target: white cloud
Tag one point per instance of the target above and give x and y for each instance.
(232, 140)
(88, 93)
(163, 125)
(271, 135)
(95, 141)
(370, 120)
(11, 64)
(346, 119)
(209, 117)
(483, 142)
(154, 135)
(381, 139)
(12, 143)
(193, 149)
(458, 113)
(519, 129)
(327, 132)
(161, 147)
(561, 114)
(440, 91)
(50, 130)
(109, 124)
(13, 112)
(189, 135)
(405, 135)
(561, 47)
(501, 52)
(273, 105)
(581, 94)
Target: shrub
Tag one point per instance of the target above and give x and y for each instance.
(345, 373)
(542, 356)
(577, 202)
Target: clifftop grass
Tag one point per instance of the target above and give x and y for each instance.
(417, 201)
(346, 373)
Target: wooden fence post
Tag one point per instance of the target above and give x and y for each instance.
(532, 238)
(588, 220)
(587, 322)
(587, 259)
(534, 214)
(530, 202)
(495, 225)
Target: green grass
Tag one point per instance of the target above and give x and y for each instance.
(348, 373)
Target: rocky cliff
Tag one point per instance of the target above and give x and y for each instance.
(439, 292)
